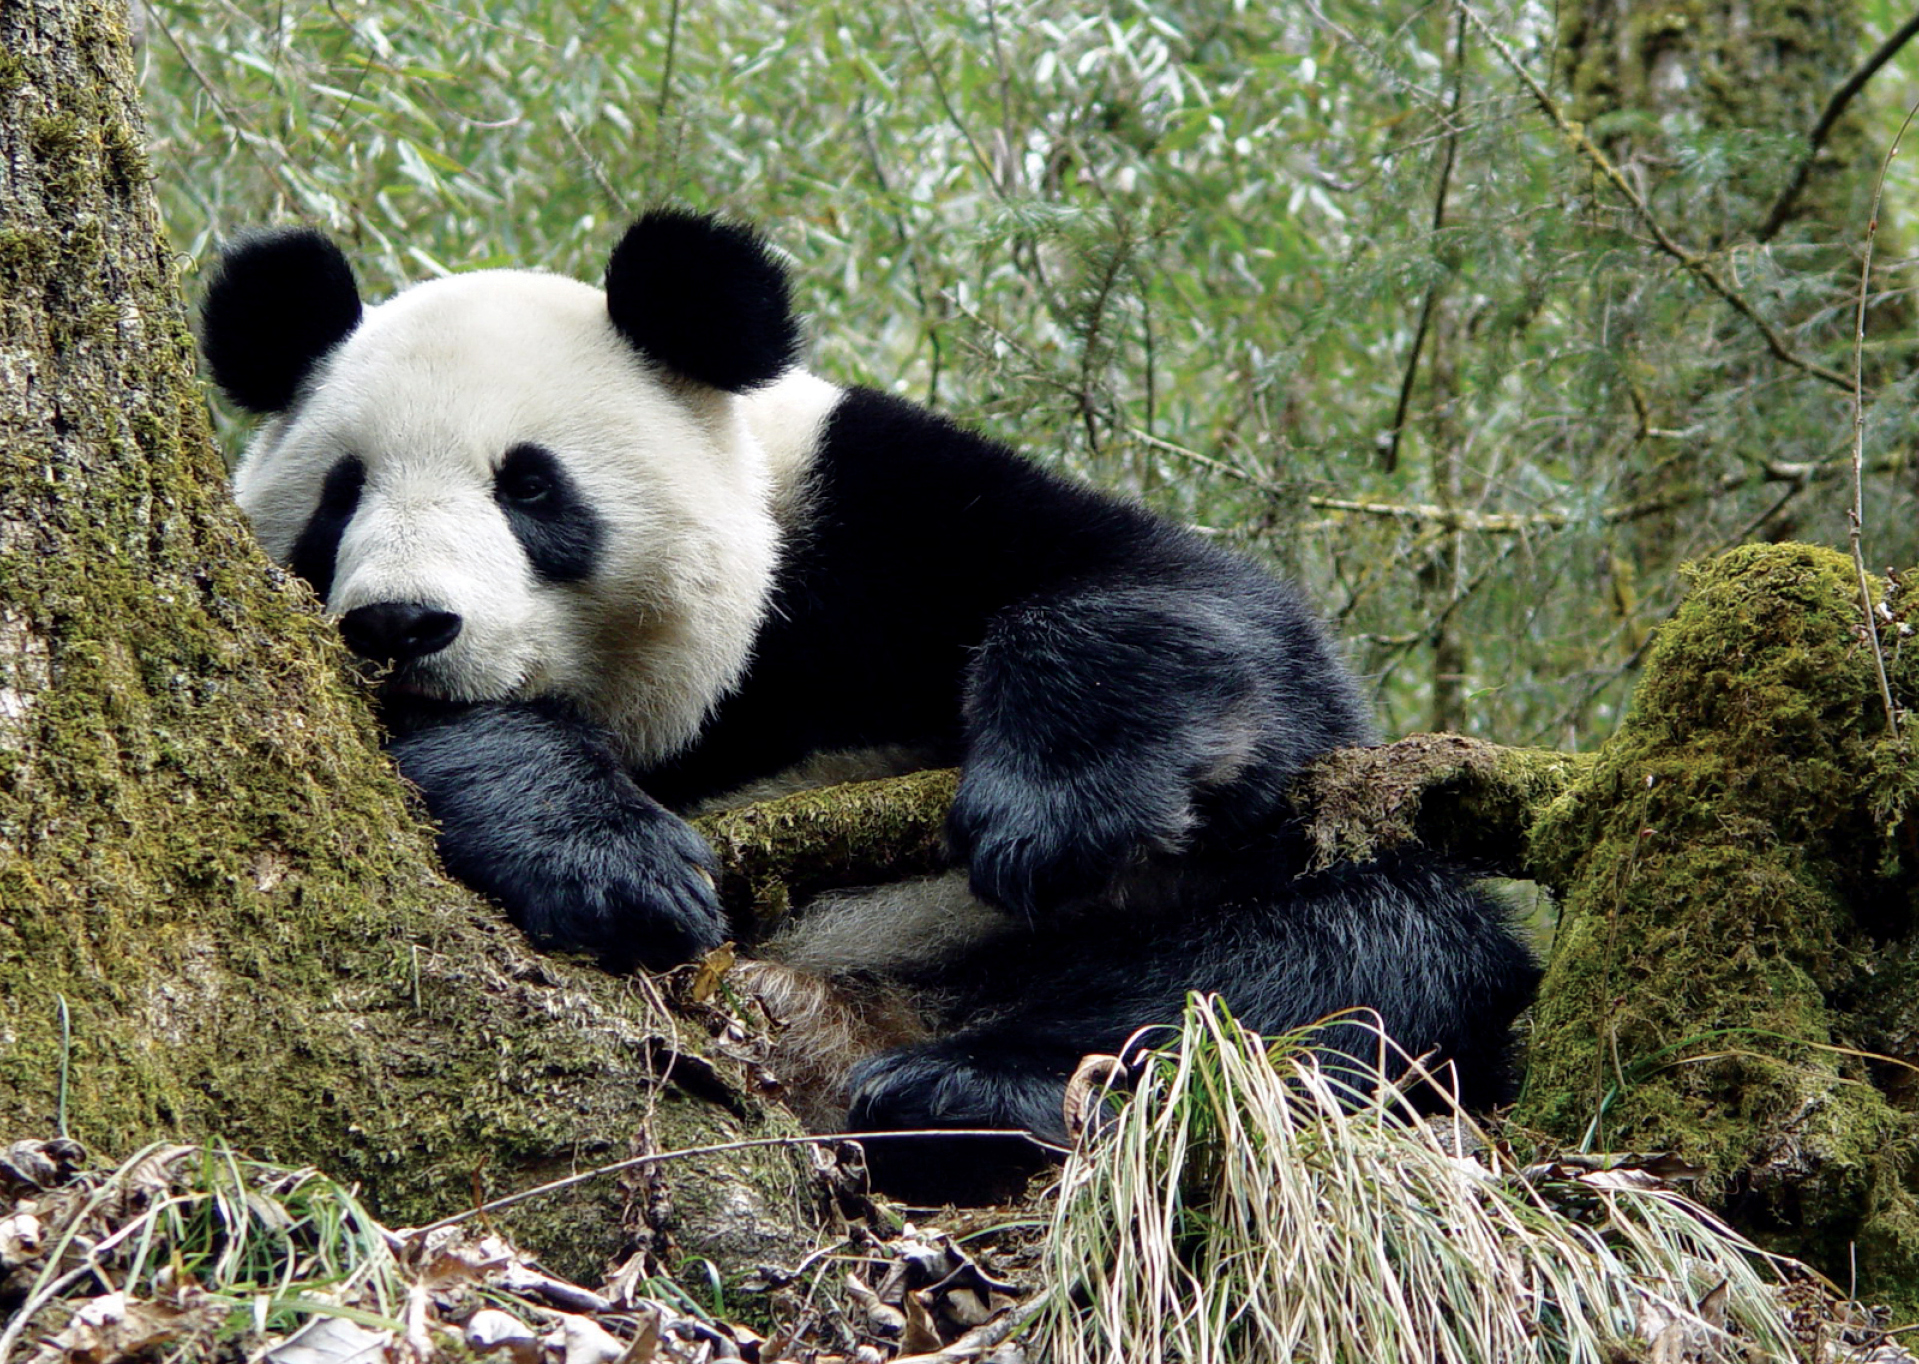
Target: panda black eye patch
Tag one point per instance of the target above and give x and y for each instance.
(318, 547)
(548, 516)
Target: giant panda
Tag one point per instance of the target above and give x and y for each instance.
(623, 555)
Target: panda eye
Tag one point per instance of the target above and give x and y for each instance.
(526, 488)
(546, 512)
(526, 478)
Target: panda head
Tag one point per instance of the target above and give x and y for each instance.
(508, 483)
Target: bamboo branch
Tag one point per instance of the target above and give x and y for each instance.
(1691, 261)
(1797, 472)
(1835, 107)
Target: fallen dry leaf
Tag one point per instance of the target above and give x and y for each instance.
(111, 1327)
(490, 1329)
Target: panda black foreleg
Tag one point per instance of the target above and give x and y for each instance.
(1116, 722)
(537, 811)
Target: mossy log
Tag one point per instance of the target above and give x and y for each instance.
(218, 919)
(1736, 972)
(1474, 800)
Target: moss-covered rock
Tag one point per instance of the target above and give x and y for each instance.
(1734, 976)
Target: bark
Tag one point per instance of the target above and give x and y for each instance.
(218, 917)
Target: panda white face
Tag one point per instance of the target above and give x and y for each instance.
(494, 489)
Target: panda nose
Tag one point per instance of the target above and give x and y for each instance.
(398, 631)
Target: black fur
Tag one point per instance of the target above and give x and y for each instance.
(703, 298)
(317, 550)
(537, 811)
(1404, 936)
(1129, 704)
(277, 304)
(560, 533)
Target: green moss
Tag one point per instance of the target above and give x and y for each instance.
(1472, 798)
(782, 852)
(126, 159)
(22, 252)
(1730, 942)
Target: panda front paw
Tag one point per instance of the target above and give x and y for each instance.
(1033, 850)
(639, 890)
(537, 812)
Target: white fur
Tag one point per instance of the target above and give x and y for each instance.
(432, 390)
(906, 929)
(788, 418)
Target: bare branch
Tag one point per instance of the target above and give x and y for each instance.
(1836, 106)
(1799, 473)
(1857, 514)
(1406, 383)
(1695, 264)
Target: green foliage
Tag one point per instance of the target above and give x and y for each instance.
(1186, 249)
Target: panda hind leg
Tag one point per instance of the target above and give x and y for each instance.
(1005, 1080)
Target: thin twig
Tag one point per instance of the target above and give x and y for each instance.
(655, 1157)
(1431, 304)
(1008, 147)
(907, 244)
(1695, 264)
(946, 101)
(1796, 472)
(1111, 268)
(1836, 106)
(656, 190)
(1856, 531)
(594, 166)
(229, 118)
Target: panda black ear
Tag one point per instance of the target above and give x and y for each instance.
(278, 302)
(704, 298)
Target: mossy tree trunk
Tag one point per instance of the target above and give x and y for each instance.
(1664, 82)
(1736, 974)
(205, 864)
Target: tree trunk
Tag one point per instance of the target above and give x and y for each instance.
(1743, 80)
(218, 918)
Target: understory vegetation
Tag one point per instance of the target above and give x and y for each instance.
(1239, 1199)
(1480, 319)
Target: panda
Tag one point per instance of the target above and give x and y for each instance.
(623, 555)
